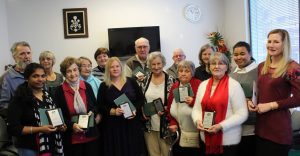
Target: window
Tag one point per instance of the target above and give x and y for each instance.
(266, 15)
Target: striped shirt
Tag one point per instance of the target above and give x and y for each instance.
(98, 72)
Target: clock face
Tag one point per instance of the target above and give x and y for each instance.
(192, 13)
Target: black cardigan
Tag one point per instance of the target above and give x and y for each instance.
(21, 114)
(61, 101)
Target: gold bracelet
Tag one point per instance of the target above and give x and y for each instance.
(30, 129)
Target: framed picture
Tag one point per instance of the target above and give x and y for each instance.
(75, 23)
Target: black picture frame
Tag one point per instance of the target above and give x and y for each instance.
(75, 23)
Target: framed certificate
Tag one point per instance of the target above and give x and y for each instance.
(208, 119)
(158, 105)
(127, 112)
(55, 117)
(83, 121)
(183, 93)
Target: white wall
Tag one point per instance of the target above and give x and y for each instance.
(5, 55)
(40, 23)
(236, 22)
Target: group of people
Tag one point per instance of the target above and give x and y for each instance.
(226, 112)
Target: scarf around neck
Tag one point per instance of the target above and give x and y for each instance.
(217, 102)
(79, 105)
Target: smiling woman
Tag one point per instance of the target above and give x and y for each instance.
(223, 96)
(54, 79)
(24, 118)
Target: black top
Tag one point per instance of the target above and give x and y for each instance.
(201, 73)
(21, 113)
(120, 136)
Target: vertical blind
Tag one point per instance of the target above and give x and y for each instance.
(266, 15)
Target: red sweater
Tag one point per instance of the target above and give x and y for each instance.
(194, 84)
(276, 125)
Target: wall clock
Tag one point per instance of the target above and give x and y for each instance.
(192, 13)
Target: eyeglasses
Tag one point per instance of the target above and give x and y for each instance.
(86, 66)
(217, 63)
(142, 47)
(179, 56)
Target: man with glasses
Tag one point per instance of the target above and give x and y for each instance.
(178, 55)
(13, 77)
(136, 65)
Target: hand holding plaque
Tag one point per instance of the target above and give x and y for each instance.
(127, 112)
(183, 93)
(83, 121)
(55, 117)
(208, 119)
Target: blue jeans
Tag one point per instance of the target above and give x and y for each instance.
(26, 152)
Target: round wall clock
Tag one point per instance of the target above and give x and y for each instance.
(192, 13)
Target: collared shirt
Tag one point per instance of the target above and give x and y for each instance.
(246, 69)
(94, 82)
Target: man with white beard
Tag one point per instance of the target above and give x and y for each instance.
(13, 77)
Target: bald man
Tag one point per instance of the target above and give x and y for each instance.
(142, 48)
(178, 55)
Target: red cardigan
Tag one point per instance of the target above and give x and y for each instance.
(194, 84)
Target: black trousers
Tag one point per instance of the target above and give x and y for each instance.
(85, 149)
(231, 150)
(266, 147)
(247, 146)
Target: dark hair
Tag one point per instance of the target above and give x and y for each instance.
(246, 45)
(24, 93)
(31, 68)
(101, 51)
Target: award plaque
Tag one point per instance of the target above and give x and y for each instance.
(149, 109)
(54, 117)
(127, 112)
(159, 107)
(83, 121)
(124, 99)
(138, 71)
(254, 93)
(138, 74)
(208, 119)
(183, 93)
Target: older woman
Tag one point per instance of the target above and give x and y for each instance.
(121, 136)
(246, 74)
(180, 112)
(202, 72)
(157, 86)
(278, 79)
(86, 74)
(101, 56)
(54, 79)
(224, 98)
(24, 121)
(75, 98)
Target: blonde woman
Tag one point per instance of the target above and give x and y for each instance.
(278, 90)
(120, 136)
(54, 79)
